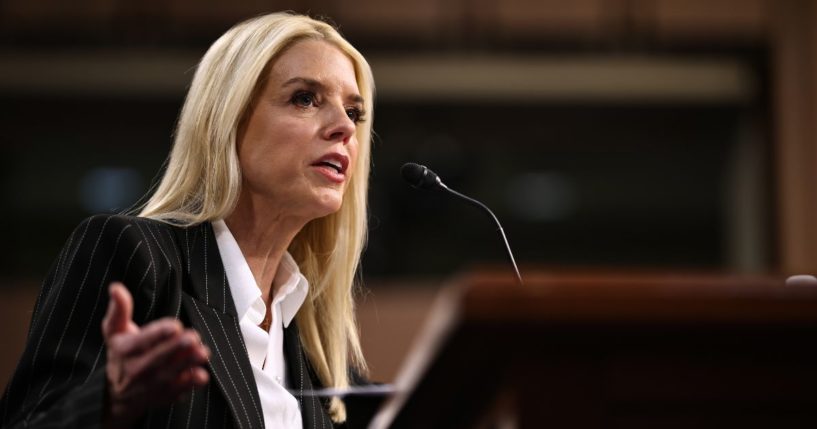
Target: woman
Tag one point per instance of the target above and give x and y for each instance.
(231, 293)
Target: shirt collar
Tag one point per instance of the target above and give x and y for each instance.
(293, 290)
(246, 294)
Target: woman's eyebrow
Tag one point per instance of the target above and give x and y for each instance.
(312, 83)
(306, 81)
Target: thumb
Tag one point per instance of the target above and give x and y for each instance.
(120, 310)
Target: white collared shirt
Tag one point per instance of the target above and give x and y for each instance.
(266, 349)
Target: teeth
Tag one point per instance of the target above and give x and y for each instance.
(333, 164)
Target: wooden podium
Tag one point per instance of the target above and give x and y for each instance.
(613, 351)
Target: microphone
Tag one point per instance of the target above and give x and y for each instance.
(421, 177)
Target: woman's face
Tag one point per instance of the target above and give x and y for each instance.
(297, 147)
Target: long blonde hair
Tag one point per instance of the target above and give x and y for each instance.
(202, 181)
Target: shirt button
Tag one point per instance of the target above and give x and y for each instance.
(278, 379)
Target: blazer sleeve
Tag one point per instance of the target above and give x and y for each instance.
(60, 379)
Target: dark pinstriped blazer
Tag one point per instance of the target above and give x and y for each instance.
(171, 271)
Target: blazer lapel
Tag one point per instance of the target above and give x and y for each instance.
(207, 301)
(303, 378)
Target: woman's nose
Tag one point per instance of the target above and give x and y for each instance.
(339, 126)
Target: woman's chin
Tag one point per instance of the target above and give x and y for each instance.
(328, 205)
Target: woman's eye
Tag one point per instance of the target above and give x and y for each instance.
(303, 99)
(355, 114)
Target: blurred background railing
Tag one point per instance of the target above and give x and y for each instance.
(672, 135)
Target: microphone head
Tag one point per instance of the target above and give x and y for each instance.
(419, 176)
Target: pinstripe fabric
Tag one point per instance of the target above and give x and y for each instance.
(170, 271)
(304, 378)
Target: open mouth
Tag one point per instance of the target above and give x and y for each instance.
(335, 162)
(336, 165)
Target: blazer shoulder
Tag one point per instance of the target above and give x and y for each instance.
(104, 228)
(124, 246)
(116, 222)
(144, 254)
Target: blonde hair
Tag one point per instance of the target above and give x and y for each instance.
(202, 181)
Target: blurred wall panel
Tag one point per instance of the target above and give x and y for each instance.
(795, 96)
(135, 22)
(29, 13)
(417, 19)
(706, 19)
(16, 305)
(539, 18)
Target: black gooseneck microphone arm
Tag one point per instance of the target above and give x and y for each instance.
(420, 176)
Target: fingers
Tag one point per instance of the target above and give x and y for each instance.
(152, 365)
(150, 336)
(189, 379)
(174, 368)
(120, 310)
(161, 366)
(172, 356)
(181, 386)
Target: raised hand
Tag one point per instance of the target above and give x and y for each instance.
(149, 366)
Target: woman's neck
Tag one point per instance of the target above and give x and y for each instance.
(263, 236)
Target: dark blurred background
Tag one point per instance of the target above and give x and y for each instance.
(624, 134)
